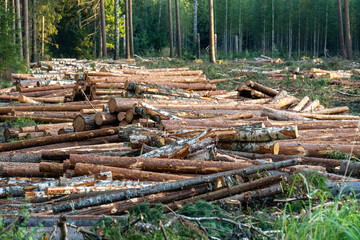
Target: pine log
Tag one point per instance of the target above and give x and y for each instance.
(257, 94)
(37, 119)
(306, 125)
(43, 127)
(47, 88)
(328, 117)
(298, 107)
(24, 99)
(63, 107)
(90, 110)
(236, 116)
(125, 174)
(155, 114)
(45, 114)
(158, 164)
(26, 172)
(84, 122)
(262, 88)
(282, 115)
(261, 147)
(58, 139)
(129, 116)
(11, 133)
(121, 116)
(115, 196)
(65, 130)
(227, 192)
(285, 101)
(50, 99)
(104, 118)
(311, 106)
(337, 110)
(50, 167)
(27, 129)
(168, 125)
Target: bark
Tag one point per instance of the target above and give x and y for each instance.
(131, 37)
(37, 119)
(25, 172)
(43, 36)
(212, 57)
(298, 107)
(43, 127)
(105, 118)
(329, 117)
(340, 28)
(103, 27)
(158, 164)
(304, 125)
(336, 110)
(155, 114)
(50, 167)
(58, 139)
(178, 30)
(195, 21)
(82, 169)
(69, 115)
(254, 147)
(63, 107)
(347, 30)
(46, 88)
(132, 193)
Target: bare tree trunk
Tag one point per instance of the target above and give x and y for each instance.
(14, 20)
(95, 31)
(34, 45)
(290, 29)
(326, 29)
(264, 30)
(42, 36)
(117, 29)
(341, 30)
(178, 31)
(314, 39)
(212, 37)
(240, 28)
(273, 27)
(26, 30)
(299, 35)
(170, 30)
(195, 20)
(127, 30)
(226, 28)
(347, 30)
(103, 27)
(100, 37)
(131, 32)
(198, 46)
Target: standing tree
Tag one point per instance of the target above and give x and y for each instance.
(117, 29)
(170, 30)
(103, 27)
(211, 30)
(273, 27)
(347, 30)
(195, 20)
(127, 31)
(341, 31)
(26, 30)
(178, 32)
(34, 33)
(131, 32)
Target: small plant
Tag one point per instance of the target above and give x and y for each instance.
(20, 122)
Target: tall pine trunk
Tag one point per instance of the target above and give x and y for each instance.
(211, 30)
(273, 26)
(178, 31)
(34, 45)
(226, 28)
(127, 30)
(341, 30)
(171, 40)
(290, 30)
(14, 20)
(26, 30)
(347, 30)
(264, 30)
(326, 29)
(42, 36)
(240, 29)
(103, 27)
(117, 30)
(195, 20)
(131, 32)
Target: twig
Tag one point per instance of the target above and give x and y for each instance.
(249, 226)
(348, 94)
(53, 232)
(84, 231)
(163, 230)
(218, 230)
(87, 99)
(7, 228)
(63, 230)
(131, 224)
(204, 230)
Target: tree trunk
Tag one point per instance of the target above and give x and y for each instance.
(290, 29)
(170, 30)
(264, 29)
(347, 30)
(326, 29)
(240, 28)
(103, 27)
(131, 32)
(195, 22)
(226, 29)
(178, 30)
(19, 29)
(26, 30)
(127, 30)
(340, 27)
(34, 33)
(212, 36)
(117, 29)
(42, 36)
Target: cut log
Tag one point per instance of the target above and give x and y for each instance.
(337, 110)
(58, 139)
(105, 118)
(84, 122)
(261, 147)
(37, 119)
(24, 99)
(82, 169)
(282, 115)
(65, 130)
(43, 127)
(158, 164)
(298, 107)
(63, 107)
(311, 106)
(55, 168)
(262, 88)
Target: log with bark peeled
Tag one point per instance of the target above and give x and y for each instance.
(115, 196)
(311, 106)
(69, 137)
(298, 107)
(282, 115)
(158, 164)
(262, 88)
(56, 107)
(337, 110)
(82, 169)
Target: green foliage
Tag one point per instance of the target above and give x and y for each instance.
(149, 214)
(20, 122)
(341, 156)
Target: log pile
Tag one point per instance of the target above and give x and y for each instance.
(156, 141)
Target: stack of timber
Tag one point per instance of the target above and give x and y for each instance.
(175, 147)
